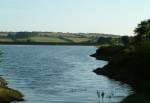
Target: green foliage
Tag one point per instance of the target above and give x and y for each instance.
(131, 63)
(142, 31)
(21, 35)
(125, 40)
(108, 40)
(107, 52)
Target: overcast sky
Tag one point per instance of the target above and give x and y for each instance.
(100, 16)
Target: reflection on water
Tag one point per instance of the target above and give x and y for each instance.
(106, 97)
(58, 74)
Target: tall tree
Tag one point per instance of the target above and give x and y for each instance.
(143, 30)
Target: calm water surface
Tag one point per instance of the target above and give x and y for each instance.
(57, 74)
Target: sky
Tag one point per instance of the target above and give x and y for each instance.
(118, 17)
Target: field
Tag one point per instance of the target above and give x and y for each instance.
(46, 38)
(50, 38)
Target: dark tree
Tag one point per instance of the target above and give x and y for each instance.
(125, 40)
(143, 31)
(22, 35)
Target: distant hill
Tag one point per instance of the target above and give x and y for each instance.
(51, 37)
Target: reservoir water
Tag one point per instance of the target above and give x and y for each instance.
(58, 74)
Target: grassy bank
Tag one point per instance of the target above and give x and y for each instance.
(8, 95)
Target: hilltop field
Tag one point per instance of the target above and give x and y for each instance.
(51, 38)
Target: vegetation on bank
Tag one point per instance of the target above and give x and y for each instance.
(130, 63)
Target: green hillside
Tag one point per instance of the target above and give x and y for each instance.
(51, 37)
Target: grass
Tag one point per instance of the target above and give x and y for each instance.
(6, 40)
(47, 39)
(77, 39)
(59, 39)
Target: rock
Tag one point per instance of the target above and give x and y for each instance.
(7, 94)
(3, 82)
